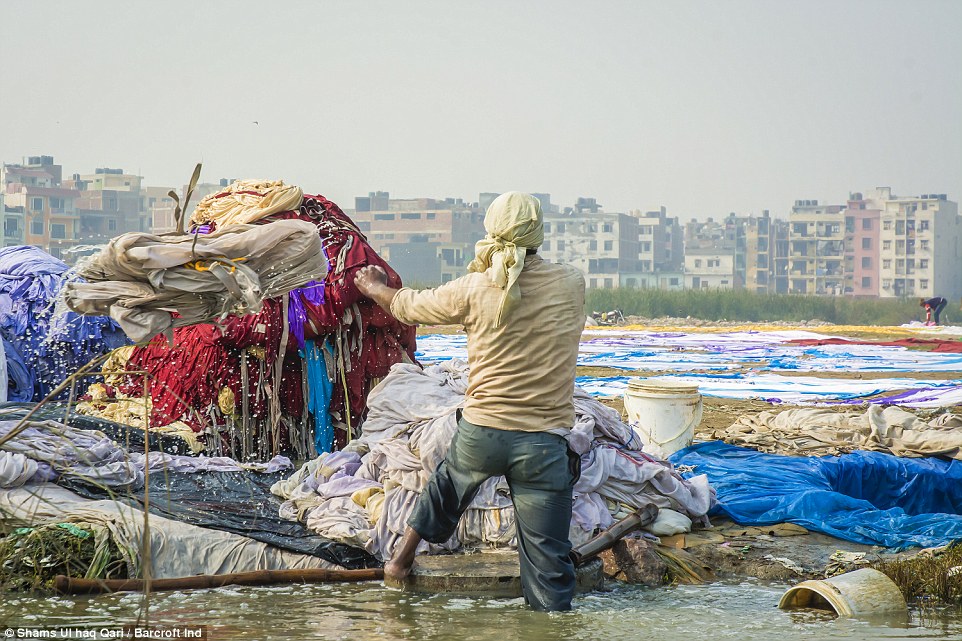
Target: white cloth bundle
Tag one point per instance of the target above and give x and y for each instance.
(141, 279)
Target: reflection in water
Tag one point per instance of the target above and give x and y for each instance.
(355, 612)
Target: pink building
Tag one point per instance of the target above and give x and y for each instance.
(861, 248)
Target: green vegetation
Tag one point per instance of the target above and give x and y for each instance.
(930, 579)
(30, 558)
(741, 305)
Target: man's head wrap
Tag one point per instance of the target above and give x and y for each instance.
(514, 223)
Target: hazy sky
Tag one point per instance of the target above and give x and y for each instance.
(704, 107)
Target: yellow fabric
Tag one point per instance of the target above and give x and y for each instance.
(513, 223)
(115, 367)
(131, 411)
(226, 401)
(246, 201)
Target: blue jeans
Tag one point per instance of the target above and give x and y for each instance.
(541, 472)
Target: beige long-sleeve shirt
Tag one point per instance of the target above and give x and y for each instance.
(522, 373)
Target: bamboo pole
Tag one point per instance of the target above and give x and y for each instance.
(70, 585)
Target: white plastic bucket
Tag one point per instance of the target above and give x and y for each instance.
(862, 593)
(663, 413)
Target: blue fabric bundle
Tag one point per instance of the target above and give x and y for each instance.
(866, 497)
(19, 377)
(45, 349)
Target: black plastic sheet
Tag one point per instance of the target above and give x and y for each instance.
(238, 502)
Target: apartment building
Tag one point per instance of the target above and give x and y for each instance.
(660, 252)
(710, 268)
(816, 249)
(426, 240)
(37, 209)
(921, 245)
(862, 248)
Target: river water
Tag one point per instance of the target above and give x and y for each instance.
(744, 611)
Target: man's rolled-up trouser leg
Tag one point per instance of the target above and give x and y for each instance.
(476, 453)
(542, 476)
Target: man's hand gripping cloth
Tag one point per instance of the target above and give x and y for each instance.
(514, 223)
(150, 284)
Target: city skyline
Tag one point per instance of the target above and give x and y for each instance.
(750, 105)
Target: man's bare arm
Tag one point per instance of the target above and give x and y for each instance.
(372, 282)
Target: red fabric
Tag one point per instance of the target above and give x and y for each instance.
(953, 347)
(205, 358)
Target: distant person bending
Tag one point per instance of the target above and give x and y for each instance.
(523, 318)
(933, 307)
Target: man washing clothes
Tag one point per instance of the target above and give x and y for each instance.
(523, 318)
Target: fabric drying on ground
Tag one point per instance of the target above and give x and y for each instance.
(177, 548)
(363, 494)
(865, 497)
(139, 278)
(670, 351)
(801, 390)
(822, 432)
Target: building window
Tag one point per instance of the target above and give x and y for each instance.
(887, 225)
(383, 216)
(609, 245)
(923, 225)
(547, 245)
(36, 228)
(111, 224)
(924, 283)
(698, 262)
(608, 283)
(866, 243)
(56, 203)
(646, 246)
(561, 228)
(887, 283)
(58, 230)
(673, 281)
(923, 263)
(866, 281)
(866, 224)
(592, 245)
(430, 215)
(547, 228)
(866, 262)
(36, 204)
(607, 228)
(924, 245)
(887, 263)
(887, 245)
(410, 216)
(561, 245)
(593, 283)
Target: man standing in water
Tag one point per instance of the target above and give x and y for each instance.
(523, 318)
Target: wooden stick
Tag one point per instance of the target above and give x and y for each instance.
(70, 585)
(607, 539)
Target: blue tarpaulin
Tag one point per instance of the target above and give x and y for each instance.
(865, 497)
